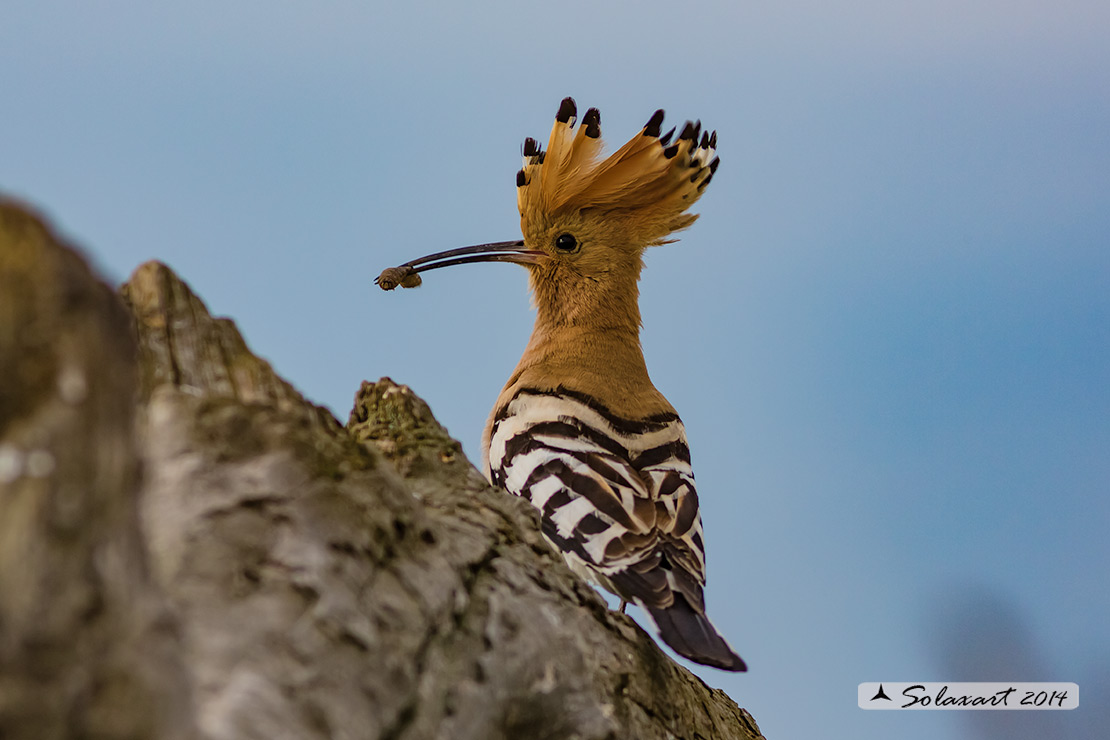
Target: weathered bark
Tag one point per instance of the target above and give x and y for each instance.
(305, 579)
(87, 645)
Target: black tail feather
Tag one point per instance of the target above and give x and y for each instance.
(693, 636)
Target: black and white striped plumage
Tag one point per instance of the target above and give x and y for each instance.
(616, 496)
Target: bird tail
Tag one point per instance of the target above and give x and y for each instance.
(693, 636)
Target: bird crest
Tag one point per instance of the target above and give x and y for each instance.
(647, 185)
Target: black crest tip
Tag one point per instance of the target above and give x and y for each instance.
(531, 147)
(567, 110)
(712, 170)
(651, 128)
(666, 138)
(521, 179)
(670, 151)
(592, 122)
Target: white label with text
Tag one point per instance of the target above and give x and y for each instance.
(967, 695)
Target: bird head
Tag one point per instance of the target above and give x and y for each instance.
(586, 220)
(571, 199)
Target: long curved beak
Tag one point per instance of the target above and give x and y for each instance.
(406, 275)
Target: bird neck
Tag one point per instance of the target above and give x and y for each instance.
(587, 339)
(587, 306)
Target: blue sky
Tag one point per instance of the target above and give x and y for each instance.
(888, 335)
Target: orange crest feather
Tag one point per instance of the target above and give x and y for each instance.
(648, 181)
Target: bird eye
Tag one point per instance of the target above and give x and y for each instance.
(566, 243)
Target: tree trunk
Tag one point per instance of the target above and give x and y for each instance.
(189, 548)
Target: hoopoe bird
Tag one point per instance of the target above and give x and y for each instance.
(579, 430)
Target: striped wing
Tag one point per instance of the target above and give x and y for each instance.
(616, 496)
